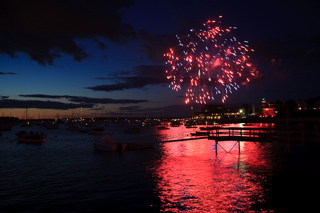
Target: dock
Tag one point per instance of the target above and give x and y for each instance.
(242, 134)
(263, 135)
(183, 139)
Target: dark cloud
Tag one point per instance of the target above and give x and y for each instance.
(131, 108)
(87, 100)
(137, 78)
(292, 50)
(45, 96)
(11, 103)
(154, 46)
(7, 73)
(292, 91)
(182, 110)
(102, 78)
(4, 97)
(104, 100)
(45, 29)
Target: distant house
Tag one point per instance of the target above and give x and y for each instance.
(267, 109)
(312, 104)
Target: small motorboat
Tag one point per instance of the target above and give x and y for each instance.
(107, 144)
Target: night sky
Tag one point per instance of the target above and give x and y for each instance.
(107, 56)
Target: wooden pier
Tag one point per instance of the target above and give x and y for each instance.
(243, 134)
(263, 135)
(183, 139)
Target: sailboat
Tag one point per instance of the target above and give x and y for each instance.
(30, 137)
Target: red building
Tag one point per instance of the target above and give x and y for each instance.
(267, 109)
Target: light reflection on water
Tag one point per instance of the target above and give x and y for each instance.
(190, 177)
(65, 174)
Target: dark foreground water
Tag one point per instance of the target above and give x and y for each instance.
(65, 174)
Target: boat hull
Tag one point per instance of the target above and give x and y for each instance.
(102, 145)
(31, 140)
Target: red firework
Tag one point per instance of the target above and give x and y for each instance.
(211, 62)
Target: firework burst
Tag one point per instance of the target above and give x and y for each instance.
(211, 62)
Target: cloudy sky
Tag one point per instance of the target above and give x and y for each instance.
(107, 56)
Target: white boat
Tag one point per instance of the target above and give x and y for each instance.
(107, 144)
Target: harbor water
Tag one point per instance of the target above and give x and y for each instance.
(66, 174)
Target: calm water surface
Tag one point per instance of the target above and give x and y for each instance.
(65, 174)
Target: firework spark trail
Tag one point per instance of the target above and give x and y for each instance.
(211, 61)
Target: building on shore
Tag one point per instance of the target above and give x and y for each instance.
(211, 113)
(267, 109)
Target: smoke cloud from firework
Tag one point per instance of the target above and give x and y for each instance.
(211, 62)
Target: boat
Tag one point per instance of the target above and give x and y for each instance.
(162, 127)
(210, 127)
(72, 128)
(249, 124)
(53, 126)
(139, 146)
(107, 144)
(6, 128)
(28, 124)
(199, 133)
(99, 131)
(175, 123)
(24, 137)
(83, 130)
(132, 130)
(190, 126)
(98, 128)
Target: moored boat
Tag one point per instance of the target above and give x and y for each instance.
(24, 137)
(107, 144)
(53, 126)
(139, 146)
(210, 127)
(72, 128)
(162, 127)
(132, 130)
(99, 131)
(175, 123)
(199, 133)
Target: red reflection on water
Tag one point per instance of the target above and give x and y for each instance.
(190, 177)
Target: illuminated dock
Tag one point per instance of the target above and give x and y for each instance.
(242, 134)
(264, 135)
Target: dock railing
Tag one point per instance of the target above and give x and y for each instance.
(282, 135)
